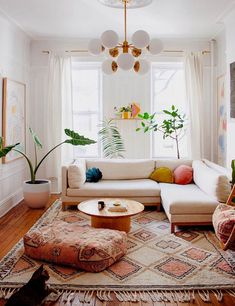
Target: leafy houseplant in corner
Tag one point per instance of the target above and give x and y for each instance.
(171, 127)
(36, 192)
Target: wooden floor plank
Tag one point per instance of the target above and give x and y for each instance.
(20, 219)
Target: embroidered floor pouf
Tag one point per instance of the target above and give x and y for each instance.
(223, 221)
(85, 248)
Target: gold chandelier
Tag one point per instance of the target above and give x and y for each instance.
(125, 55)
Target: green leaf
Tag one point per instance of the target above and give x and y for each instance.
(166, 112)
(138, 129)
(35, 138)
(173, 107)
(143, 124)
(76, 139)
(7, 149)
(146, 129)
(146, 115)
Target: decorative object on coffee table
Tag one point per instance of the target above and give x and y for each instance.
(106, 219)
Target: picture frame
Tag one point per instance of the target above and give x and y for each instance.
(232, 90)
(13, 117)
(222, 120)
(1, 103)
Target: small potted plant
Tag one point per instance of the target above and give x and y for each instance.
(126, 112)
(36, 192)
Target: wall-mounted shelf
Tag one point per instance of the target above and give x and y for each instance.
(133, 119)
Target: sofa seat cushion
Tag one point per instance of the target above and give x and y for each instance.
(186, 199)
(69, 244)
(224, 221)
(117, 188)
(123, 169)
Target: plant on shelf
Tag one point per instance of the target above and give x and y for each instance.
(110, 137)
(172, 127)
(124, 111)
(30, 186)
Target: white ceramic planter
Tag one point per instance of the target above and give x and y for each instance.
(36, 195)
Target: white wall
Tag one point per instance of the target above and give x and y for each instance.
(14, 64)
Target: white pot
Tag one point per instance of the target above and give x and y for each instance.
(36, 195)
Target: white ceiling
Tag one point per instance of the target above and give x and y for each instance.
(44, 19)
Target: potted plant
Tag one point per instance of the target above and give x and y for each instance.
(111, 139)
(172, 127)
(36, 192)
(126, 112)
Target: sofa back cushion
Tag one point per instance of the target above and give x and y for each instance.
(77, 173)
(118, 169)
(172, 163)
(211, 181)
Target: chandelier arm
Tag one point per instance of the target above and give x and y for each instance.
(125, 27)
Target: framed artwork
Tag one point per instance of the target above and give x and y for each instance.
(222, 121)
(13, 123)
(1, 100)
(232, 90)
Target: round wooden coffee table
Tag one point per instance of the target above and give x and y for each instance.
(106, 219)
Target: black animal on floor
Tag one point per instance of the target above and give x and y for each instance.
(34, 292)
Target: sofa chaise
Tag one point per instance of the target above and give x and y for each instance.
(191, 204)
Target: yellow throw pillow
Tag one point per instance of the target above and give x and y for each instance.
(163, 175)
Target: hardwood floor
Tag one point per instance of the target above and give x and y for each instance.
(20, 219)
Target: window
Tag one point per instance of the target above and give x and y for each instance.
(168, 88)
(86, 86)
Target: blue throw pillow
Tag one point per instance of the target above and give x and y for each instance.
(93, 175)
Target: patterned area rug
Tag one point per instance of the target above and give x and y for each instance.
(158, 266)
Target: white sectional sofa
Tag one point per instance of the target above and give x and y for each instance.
(184, 204)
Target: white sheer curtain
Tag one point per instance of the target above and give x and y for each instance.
(194, 92)
(58, 116)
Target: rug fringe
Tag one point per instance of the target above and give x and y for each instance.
(168, 296)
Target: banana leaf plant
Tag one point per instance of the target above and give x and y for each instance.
(73, 138)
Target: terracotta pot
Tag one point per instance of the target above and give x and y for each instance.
(126, 115)
(36, 195)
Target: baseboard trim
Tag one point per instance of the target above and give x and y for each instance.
(11, 201)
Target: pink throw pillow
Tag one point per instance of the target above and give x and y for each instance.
(183, 175)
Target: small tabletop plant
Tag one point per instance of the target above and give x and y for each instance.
(172, 127)
(74, 138)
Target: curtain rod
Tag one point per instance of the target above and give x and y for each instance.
(86, 51)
